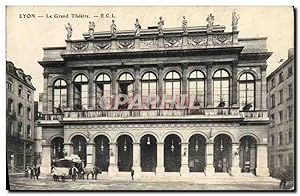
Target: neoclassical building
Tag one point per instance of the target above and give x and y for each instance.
(227, 133)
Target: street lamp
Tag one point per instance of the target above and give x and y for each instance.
(102, 146)
(172, 146)
(148, 141)
(79, 146)
(125, 146)
(221, 146)
(196, 146)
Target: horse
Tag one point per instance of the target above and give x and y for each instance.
(94, 171)
(60, 172)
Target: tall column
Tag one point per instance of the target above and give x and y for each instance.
(114, 84)
(90, 155)
(184, 169)
(113, 159)
(91, 88)
(45, 95)
(70, 95)
(263, 87)
(137, 158)
(160, 91)
(209, 85)
(68, 148)
(234, 84)
(184, 80)
(46, 159)
(262, 160)
(209, 169)
(160, 169)
(137, 83)
(235, 167)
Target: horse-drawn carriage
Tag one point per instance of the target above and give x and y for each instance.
(61, 168)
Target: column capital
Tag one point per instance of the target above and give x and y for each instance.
(46, 145)
(209, 64)
(46, 74)
(235, 62)
(113, 68)
(184, 65)
(160, 66)
(90, 143)
(137, 67)
(68, 144)
(264, 67)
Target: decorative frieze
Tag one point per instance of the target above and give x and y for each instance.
(222, 40)
(125, 44)
(197, 41)
(172, 42)
(102, 45)
(79, 46)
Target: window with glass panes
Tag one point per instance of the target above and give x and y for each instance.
(172, 89)
(197, 88)
(59, 95)
(221, 88)
(80, 92)
(126, 87)
(247, 92)
(103, 91)
(149, 89)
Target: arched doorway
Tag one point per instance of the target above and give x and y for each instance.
(57, 145)
(197, 144)
(148, 153)
(102, 152)
(125, 153)
(79, 147)
(248, 154)
(222, 153)
(172, 153)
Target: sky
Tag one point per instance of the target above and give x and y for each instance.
(26, 37)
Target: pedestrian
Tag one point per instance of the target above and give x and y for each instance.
(38, 172)
(132, 174)
(74, 171)
(283, 176)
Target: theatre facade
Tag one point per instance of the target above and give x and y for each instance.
(225, 131)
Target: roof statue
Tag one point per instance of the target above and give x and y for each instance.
(91, 29)
(184, 25)
(69, 31)
(210, 22)
(235, 20)
(113, 29)
(160, 26)
(138, 27)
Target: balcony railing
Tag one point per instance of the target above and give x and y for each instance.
(254, 114)
(204, 112)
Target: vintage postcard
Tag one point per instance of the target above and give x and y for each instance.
(150, 98)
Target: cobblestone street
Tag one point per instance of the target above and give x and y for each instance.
(21, 183)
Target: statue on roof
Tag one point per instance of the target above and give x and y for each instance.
(235, 20)
(210, 22)
(137, 27)
(113, 29)
(160, 26)
(91, 29)
(69, 31)
(184, 25)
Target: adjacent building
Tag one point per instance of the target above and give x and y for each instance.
(281, 106)
(19, 118)
(223, 76)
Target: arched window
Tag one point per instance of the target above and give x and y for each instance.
(247, 92)
(59, 95)
(149, 88)
(126, 83)
(196, 88)
(103, 91)
(81, 92)
(221, 88)
(20, 109)
(172, 88)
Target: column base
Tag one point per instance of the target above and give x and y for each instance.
(235, 171)
(160, 171)
(112, 171)
(45, 169)
(209, 171)
(184, 170)
(262, 171)
(137, 171)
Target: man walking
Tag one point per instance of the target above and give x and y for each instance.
(283, 176)
(132, 174)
